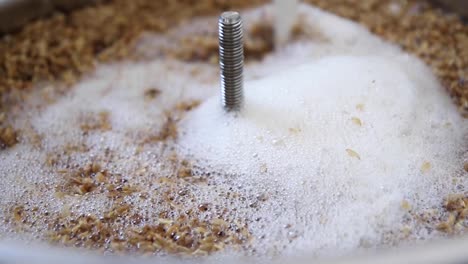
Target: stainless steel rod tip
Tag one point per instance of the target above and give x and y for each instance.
(231, 60)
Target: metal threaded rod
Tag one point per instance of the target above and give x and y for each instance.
(231, 60)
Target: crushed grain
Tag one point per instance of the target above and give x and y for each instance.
(8, 137)
(64, 47)
(426, 166)
(356, 121)
(353, 154)
(457, 206)
(152, 93)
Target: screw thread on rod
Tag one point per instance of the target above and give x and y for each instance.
(231, 60)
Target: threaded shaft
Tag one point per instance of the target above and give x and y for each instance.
(231, 60)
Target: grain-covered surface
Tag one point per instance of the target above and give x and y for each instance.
(16, 13)
(64, 47)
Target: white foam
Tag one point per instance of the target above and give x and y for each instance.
(297, 130)
(343, 137)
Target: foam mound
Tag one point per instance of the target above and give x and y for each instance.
(345, 138)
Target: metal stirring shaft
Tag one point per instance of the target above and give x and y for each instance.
(231, 60)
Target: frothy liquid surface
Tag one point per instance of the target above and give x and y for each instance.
(344, 140)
